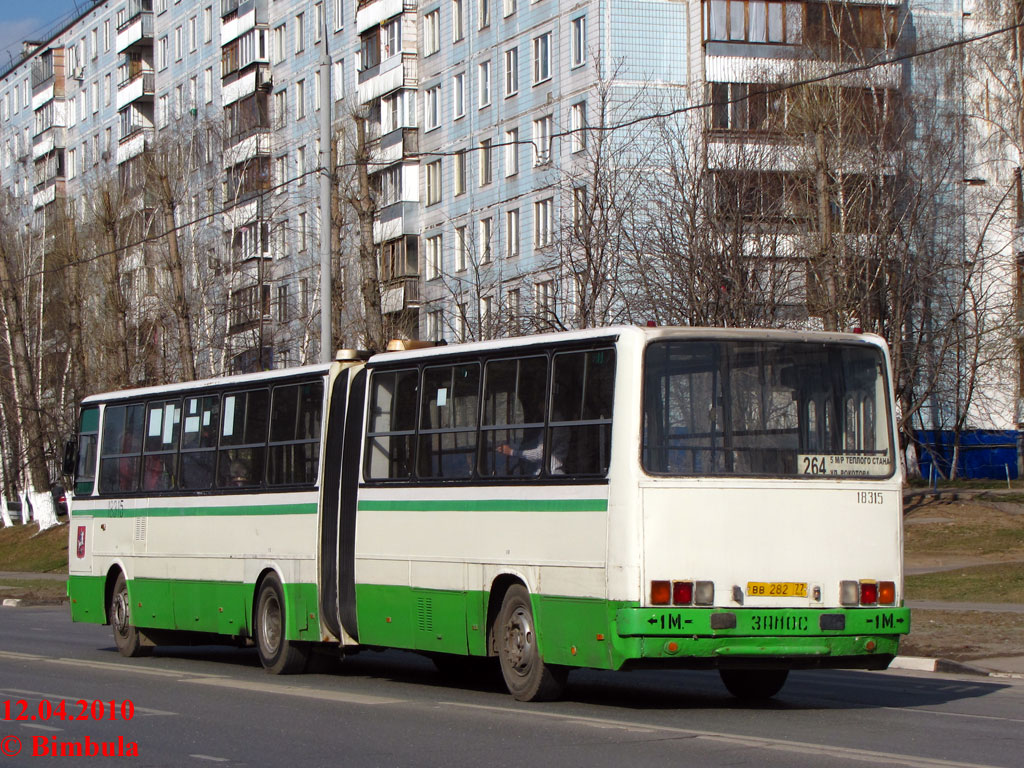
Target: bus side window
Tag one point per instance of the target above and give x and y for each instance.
(243, 439)
(85, 469)
(199, 442)
(120, 453)
(512, 428)
(582, 392)
(447, 433)
(392, 424)
(163, 426)
(295, 417)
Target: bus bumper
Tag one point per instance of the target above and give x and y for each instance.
(793, 638)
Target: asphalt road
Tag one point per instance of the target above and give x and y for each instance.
(216, 706)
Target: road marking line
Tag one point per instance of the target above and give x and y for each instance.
(758, 742)
(293, 690)
(954, 714)
(42, 727)
(211, 758)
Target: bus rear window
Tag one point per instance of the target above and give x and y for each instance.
(764, 408)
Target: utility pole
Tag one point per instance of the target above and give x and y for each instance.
(325, 168)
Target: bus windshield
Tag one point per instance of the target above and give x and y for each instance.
(765, 408)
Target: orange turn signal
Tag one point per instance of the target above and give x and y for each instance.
(886, 593)
(661, 592)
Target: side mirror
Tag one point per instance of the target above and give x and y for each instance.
(70, 457)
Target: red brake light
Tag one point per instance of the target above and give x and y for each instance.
(868, 593)
(682, 592)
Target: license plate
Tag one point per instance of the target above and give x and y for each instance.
(776, 589)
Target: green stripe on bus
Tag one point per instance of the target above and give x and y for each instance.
(485, 505)
(233, 511)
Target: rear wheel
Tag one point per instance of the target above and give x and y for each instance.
(754, 684)
(127, 638)
(526, 675)
(278, 655)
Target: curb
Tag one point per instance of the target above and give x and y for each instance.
(948, 666)
(11, 602)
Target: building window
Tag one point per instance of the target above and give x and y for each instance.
(339, 15)
(433, 182)
(458, 21)
(208, 84)
(435, 320)
(300, 32)
(544, 299)
(318, 22)
(207, 24)
(432, 32)
(460, 249)
(316, 91)
(161, 53)
(543, 222)
(279, 45)
(280, 108)
(486, 163)
(511, 72)
(483, 14)
(757, 21)
(303, 233)
(579, 207)
(578, 125)
(300, 99)
(177, 44)
(432, 107)
(508, 7)
(392, 38)
(433, 263)
(460, 172)
(542, 140)
(514, 313)
(512, 233)
(338, 80)
(459, 95)
(511, 152)
(579, 40)
(283, 315)
(542, 58)
(485, 231)
(483, 81)
(193, 33)
(369, 49)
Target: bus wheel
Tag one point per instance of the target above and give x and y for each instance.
(126, 637)
(526, 675)
(278, 655)
(754, 684)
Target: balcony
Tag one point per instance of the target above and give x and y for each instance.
(227, 7)
(142, 85)
(42, 71)
(138, 31)
(400, 293)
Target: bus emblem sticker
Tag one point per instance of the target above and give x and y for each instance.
(81, 541)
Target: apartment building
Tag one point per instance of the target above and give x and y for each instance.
(481, 117)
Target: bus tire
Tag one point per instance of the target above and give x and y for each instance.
(127, 638)
(278, 655)
(754, 684)
(526, 675)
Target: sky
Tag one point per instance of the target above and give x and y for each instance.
(27, 19)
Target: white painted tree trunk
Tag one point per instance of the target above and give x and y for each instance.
(44, 511)
(5, 516)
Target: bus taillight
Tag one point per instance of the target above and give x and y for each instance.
(705, 593)
(868, 592)
(682, 592)
(886, 593)
(661, 592)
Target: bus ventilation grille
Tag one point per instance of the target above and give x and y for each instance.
(140, 528)
(425, 614)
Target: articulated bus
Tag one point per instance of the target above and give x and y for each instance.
(612, 498)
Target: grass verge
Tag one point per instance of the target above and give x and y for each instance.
(963, 635)
(1002, 583)
(24, 548)
(34, 590)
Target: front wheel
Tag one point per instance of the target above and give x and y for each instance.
(526, 675)
(278, 655)
(754, 684)
(127, 637)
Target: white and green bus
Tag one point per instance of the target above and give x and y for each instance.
(612, 498)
